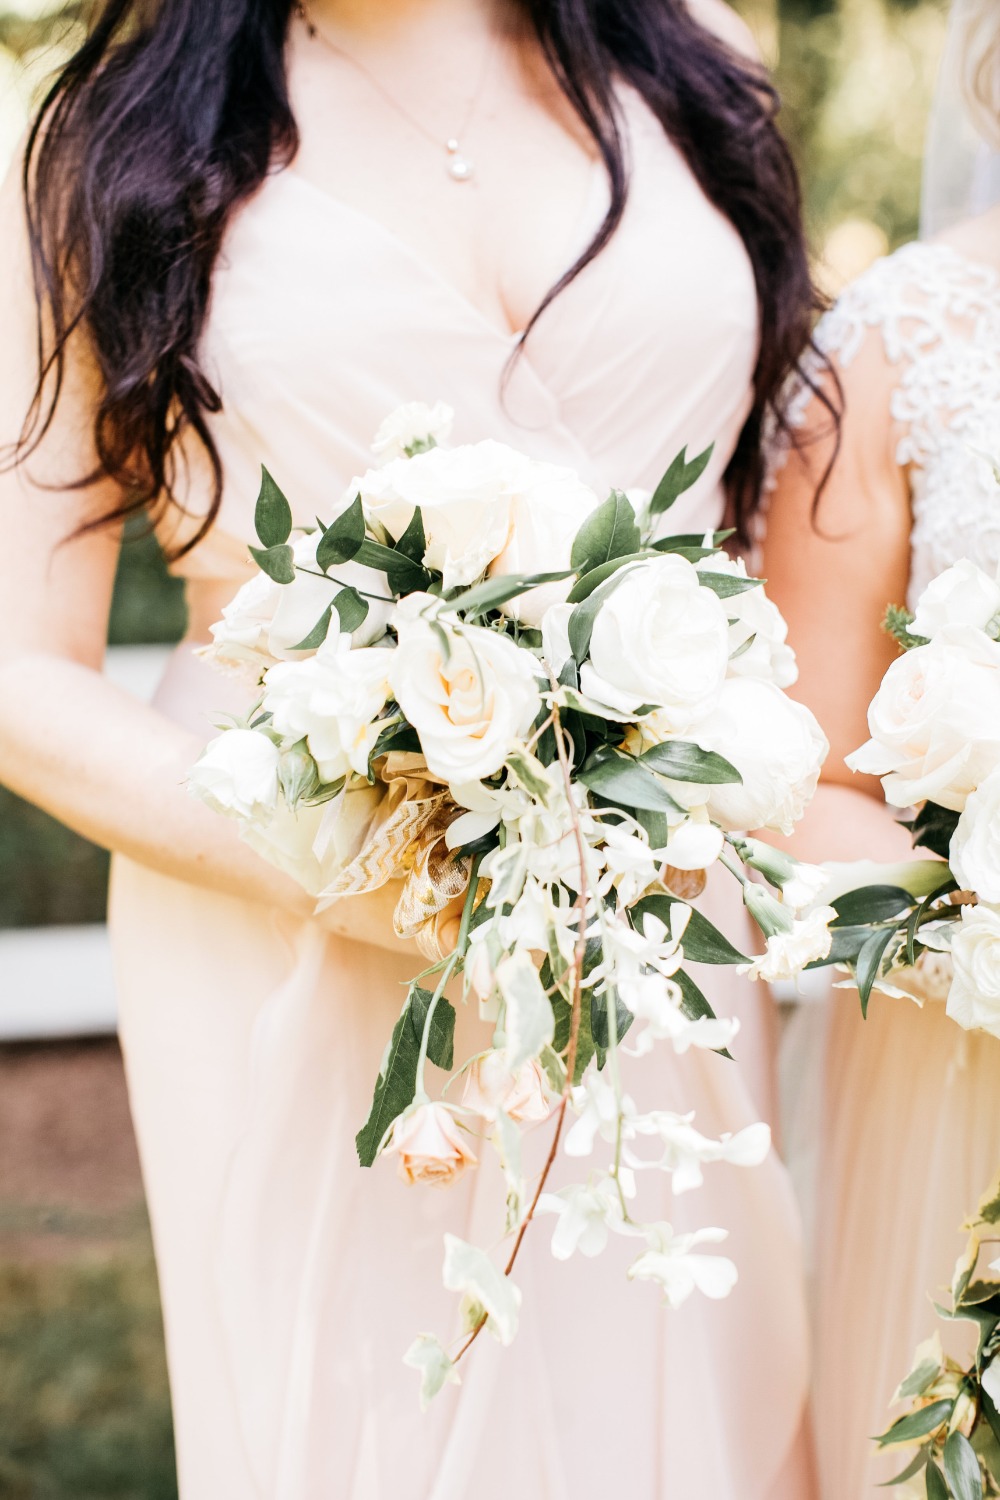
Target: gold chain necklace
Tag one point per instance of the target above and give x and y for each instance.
(459, 166)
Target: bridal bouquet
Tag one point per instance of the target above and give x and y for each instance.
(512, 699)
(931, 929)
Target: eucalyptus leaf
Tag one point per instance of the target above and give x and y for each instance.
(679, 478)
(273, 514)
(342, 539)
(609, 532)
(277, 562)
(352, 610)
(961, 1467)
(624, 781)
(683, 761)
(318, 634)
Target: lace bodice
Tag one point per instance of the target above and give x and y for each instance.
(938, 317)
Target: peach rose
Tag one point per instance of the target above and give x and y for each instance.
(490, 1086)
(430, 1145)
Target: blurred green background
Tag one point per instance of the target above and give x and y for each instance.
(84, 1409)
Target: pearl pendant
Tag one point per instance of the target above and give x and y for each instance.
(460, 168)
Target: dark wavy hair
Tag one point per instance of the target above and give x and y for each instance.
(173, 112)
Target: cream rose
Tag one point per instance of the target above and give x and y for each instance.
(758, 634)
(775, 744)
(935, 721)
(961, 595)
(547, 511)
(412, 425)
(265, 620)
(659, 637)
(431, 1146)
(975, 845)
(237, 773)
(974, 999)
(490, 1086)
(470, 700)
(331, 701)
(464, 495)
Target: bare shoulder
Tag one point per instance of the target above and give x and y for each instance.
(720, 17)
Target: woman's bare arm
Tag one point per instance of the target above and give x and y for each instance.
(70, 741)
(832, 570)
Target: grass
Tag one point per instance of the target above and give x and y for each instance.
(84, 1405)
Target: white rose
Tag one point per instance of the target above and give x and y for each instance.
(975, 845)
(470, 704)
(974, 1000)
(756, 619)
(237, 773)
(331, 700)
(961, 595)
(411, 425)
(777, 747)
(464, 495)
(935, 721)
(547, 511)
(265, 620)
(659, 637)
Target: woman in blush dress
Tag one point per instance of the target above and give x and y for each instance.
(911, 1118)
(252, 231)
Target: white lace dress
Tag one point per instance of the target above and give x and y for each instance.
(911, 1131)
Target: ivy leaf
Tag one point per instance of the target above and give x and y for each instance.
(702, 942)
(609, 532)
(441, 1042)
(679, 478)
(624, 781)
(342, 539)
(682, 761)
(961, 1467)
(273, 514)
(870, 903)
(277, 562)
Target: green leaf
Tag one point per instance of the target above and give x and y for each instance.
(600, 1025)
(727, 585)
(404, 575)
(870, 903)
(695, 1006)
(917, 1424)
(588, 582)
(868, 963)
(609, 532)
(847, 944)
(273, 514)
(352, 610)
(912, 1468)
(961, 1467)
(343, 538)
(992, 1416)
(395, 1088)
(897, 623)
(679, 478)
(682, 761)
(413, 542)
(396, 736)
(936, 1487)
(690, 554)
(318, 634)
(581, 621)
(441, 1042)
(702, 942)
(496, 591)
(918, 914)
(624, 781)
(585, 1048)
(277, 562)
(933, 829)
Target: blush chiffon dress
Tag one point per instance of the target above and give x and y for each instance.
(292, 1281)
